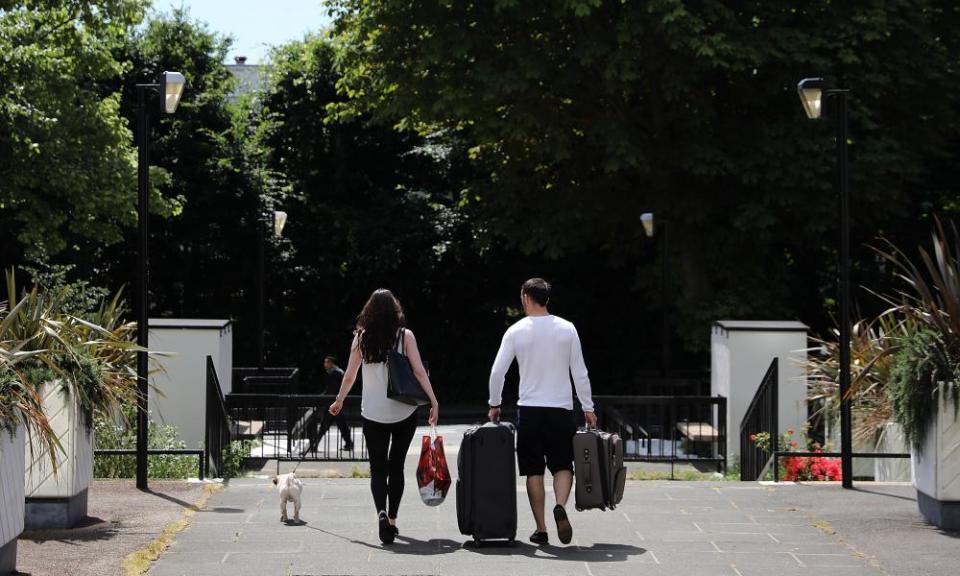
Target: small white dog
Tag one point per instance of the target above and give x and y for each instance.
(290, 488)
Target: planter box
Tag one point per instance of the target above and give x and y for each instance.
(11, 497)
(58, 499)
(936, 470)
(892, 469)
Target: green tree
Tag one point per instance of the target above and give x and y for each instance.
(584, 113)
(199, 254)
(66, 163)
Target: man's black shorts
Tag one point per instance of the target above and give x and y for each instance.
(544, 439)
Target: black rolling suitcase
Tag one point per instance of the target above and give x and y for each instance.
(487, 483)
(599, 469)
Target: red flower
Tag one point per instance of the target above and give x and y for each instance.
(790, 431)
(793, 443)
(753, 437)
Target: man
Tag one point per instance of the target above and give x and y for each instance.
(547, 348)
(332, 382)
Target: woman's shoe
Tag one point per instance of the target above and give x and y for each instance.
(539, 538)
(386, 530)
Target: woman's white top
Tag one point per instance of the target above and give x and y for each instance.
(374, 404)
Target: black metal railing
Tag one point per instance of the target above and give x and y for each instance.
(130, 452)
(268, 380)
(761, 417)
(216, 437)
(777, 455)
(296, 426)
(669, 429)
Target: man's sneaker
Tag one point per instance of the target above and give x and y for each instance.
(564, 530)
(386, 530)
(539, 538)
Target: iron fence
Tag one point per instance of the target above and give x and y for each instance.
(669, 429)
(131, 452)
(777, 455)
(297, 427)
(268, 380)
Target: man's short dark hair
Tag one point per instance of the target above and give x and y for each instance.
(537, 289)
(330, 358)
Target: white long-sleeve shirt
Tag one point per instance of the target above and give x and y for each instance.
(547, 348)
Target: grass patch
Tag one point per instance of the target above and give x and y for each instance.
(138, 562)
(683, 475)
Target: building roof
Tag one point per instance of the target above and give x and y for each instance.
(762, 326)
(189, 323)
(250, 79)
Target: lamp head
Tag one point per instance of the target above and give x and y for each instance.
(811, 95)
(171, 89)
(279, 221)
(647, 220)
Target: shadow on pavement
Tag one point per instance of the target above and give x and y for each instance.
(169, 498)
(598, 552)
(90, 529)
(884, 494)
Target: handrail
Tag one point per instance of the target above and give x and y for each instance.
(217, 435)
(761, 416)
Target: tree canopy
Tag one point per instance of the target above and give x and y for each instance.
(66, 160)
(450, 150)
(585, 113)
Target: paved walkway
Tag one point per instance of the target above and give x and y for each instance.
(662, 528)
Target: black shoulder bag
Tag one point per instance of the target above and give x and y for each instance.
(402, 385)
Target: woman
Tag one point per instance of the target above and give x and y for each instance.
(388, 425)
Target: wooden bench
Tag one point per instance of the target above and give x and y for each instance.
(698, 431)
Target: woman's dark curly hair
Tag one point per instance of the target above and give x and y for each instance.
(378, 324)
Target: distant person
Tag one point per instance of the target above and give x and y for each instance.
(388, 425)
(332, 380)
(547, 349)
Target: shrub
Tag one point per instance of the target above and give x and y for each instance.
(121, 433)
(233, 457)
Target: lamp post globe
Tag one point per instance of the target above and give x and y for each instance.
(811, 95)
(647, 220)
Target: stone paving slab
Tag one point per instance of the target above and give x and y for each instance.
(121, 520)
(661, 529)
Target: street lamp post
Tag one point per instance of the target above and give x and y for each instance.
(170, 87)
(812, 92)
(649, 227)
(279, 220)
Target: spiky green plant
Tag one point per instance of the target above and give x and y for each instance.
(20, 404)
(928, 361)
(92, 358)
(873, 345)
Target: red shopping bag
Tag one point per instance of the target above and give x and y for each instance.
(433, 475)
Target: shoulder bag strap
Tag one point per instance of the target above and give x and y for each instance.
(401, 343)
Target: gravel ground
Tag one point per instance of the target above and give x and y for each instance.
(121, 520)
